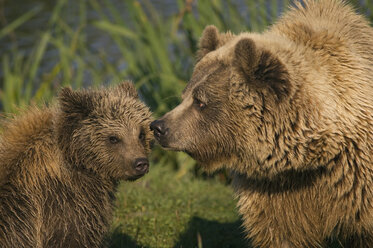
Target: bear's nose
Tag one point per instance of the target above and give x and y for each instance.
(159, 128)
(141, 165)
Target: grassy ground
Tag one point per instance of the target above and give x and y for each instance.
(169, 209)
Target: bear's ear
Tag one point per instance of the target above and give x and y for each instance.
(128, 88)
(261, 67)
(208, 42)
(75, 103)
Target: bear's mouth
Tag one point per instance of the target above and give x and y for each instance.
(203, 158)
(164, 142)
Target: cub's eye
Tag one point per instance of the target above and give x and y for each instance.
(114, 140)
(142, 135)
(199, 104)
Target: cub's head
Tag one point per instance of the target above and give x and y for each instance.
(235, 93)
(105, 131)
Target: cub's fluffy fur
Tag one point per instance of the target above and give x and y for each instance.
(60, 166)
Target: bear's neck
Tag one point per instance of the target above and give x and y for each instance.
(286, 181)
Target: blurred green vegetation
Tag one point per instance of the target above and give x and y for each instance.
(169, 207)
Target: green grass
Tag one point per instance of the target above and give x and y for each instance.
(173, 206)
(169, 209)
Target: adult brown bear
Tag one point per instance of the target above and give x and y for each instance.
(60, 166)
(290, 113)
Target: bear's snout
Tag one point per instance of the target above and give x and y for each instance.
(160, 130)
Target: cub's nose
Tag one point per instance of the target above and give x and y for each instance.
(141, 165)
(159, 128)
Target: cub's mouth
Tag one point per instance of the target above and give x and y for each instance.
(140, 168)
(133, 178)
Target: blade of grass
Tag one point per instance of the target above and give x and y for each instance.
(35, 64)
(115, 29)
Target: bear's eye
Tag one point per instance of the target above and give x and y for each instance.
(114, 140)
(142, 135)
(199, 104)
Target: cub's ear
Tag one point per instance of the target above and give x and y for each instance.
(261, 68)
(128, 88)
(208, 42)
(75, 103)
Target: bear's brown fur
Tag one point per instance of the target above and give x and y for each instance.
(290, 112)
(60, 166)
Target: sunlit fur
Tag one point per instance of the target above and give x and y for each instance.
(290, 112)
(58, 171)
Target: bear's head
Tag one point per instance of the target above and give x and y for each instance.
(234, 105)
(104, 131)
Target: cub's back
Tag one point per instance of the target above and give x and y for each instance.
(27, 147)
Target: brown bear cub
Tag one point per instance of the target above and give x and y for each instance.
(60, 166)
(290, 112)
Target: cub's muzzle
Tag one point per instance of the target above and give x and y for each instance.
(141, 166)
